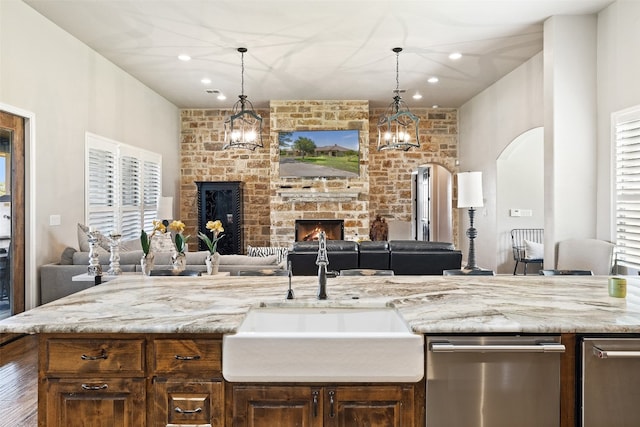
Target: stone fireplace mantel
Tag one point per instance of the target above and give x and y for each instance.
(310, 195)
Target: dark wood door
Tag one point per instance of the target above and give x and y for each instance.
(12, 200)
(111, 402)
(371, 406)
(282, 406)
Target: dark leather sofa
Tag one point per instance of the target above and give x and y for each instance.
(342, 255)
(404, 257)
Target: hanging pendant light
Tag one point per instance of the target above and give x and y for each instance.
(243, 128)
(398, 127)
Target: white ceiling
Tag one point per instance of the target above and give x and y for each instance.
(313, 49)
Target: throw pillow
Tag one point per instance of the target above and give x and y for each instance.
(533, 250)
(67, 256)
(248, 260)
(262, 251)
(83, 240)
(161, 242)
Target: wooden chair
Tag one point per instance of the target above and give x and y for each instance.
(524, 242)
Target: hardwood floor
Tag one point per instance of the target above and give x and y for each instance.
(19, 383)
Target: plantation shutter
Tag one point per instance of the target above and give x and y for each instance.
(101, 186)
(627, 194)
(124, 185)
(152, 190)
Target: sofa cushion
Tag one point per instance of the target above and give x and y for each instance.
(83, 240)
(332, 245)
(262, 251)
(419, 246)
(67, 256)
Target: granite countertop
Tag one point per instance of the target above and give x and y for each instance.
(430, 304)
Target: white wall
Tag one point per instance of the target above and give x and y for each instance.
(488, 123)
(70, 90)
(520, 181)
(570, 130)
(618, 88)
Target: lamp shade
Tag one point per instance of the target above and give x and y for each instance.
(470, 190)
(165, 208)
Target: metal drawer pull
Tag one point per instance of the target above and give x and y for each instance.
(178, 357)
(187, 411)
(102, 355)
(315, 403)
(615, 354)
(94, 387)
(547, 347)
(332, 412)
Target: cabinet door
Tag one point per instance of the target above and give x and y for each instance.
(221, 201)
(187, 402)
(110, 402)
(371, 406)
(286, 406)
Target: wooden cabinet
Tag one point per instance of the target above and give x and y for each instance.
(108, 402)
(316, 406)
(187, 385)
(96, 382)
(221, 201)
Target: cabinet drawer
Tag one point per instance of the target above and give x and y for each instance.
(89, 356)
(195, 355)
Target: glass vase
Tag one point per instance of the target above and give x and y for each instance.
(147, 263)
(179, 261)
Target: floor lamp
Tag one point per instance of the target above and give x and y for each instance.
(470, 196)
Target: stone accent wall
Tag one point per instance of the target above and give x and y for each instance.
(390, 171)
(349, 198)
(203, 159)
(271, 204)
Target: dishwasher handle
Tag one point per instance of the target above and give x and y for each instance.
(615, 354)
(543, 347)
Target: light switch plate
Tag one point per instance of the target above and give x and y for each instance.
(54, 220)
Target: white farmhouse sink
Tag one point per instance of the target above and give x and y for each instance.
(319, 344)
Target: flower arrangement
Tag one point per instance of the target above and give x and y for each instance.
(145, 239)
(179, 240)
(216, 229)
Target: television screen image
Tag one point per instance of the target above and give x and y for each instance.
(319, 153)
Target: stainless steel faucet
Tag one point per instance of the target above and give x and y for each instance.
(322, 261)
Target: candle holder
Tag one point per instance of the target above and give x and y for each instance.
(94, 269)
(114, 259)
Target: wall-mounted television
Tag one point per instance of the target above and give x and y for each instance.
(319, 153)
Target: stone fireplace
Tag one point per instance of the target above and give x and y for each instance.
(309, 229)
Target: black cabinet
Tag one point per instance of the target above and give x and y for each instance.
(223, 201)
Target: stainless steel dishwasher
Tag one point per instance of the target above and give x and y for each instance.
(493, 381)
(610, 382)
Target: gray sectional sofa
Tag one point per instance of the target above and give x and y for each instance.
(56, 279)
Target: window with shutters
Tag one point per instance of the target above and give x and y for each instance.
(627, 191)
(123, 187)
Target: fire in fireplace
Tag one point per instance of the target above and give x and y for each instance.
(309, 229)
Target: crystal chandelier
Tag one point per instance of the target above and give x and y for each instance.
(398, 127)
(243, 128)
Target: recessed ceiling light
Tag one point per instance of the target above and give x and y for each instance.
(435, 106)
(206, 81)
(455, 56)
(417, 95)
(184, 57)
(221, 96)
(433, 80)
